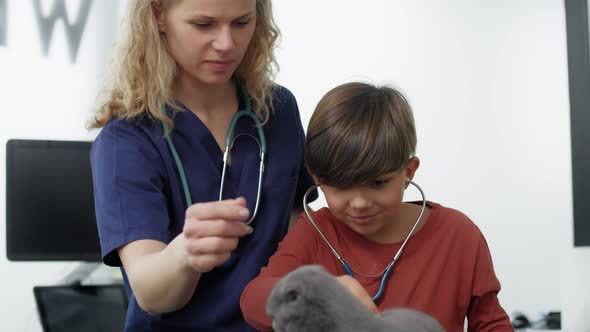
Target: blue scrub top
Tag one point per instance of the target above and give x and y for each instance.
(138, 195)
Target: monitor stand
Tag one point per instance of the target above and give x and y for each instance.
(81, 272)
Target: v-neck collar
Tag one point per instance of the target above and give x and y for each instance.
(189, 128)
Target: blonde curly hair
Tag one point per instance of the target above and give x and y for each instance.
(143, 72)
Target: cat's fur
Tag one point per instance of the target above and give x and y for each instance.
(310, 299)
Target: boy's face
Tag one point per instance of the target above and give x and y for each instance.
(373, 209)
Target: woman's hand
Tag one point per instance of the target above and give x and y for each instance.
(357, 291)
(212, 230)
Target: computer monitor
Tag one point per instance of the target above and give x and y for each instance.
(85, 308)
(50, 202)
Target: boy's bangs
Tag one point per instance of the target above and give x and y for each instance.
(360, 154)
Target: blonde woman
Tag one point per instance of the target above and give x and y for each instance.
(182, 72)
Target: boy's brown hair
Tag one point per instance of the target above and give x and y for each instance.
(359, 132)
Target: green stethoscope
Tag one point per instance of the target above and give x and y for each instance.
(388, 269)
(229, 142)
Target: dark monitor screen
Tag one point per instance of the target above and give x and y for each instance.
(85, 308)
(50, 202)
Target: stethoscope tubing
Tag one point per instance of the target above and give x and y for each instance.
(387, 272)
(229, 142)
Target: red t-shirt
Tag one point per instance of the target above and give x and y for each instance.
(445, 269)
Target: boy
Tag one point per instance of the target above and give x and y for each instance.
(360, 150)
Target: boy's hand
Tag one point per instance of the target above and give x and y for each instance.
(357, 291)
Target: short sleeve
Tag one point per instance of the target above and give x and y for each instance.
(296, 249)
(305, 181)
(128, 183)
(485, 312)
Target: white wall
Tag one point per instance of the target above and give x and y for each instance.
(45, 98)
(487, 80)
(488, 84)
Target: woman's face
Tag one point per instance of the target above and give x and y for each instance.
(208, 38)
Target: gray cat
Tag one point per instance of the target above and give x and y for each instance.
(309, 299)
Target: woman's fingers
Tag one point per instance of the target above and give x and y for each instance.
(206, 263)
(231, 209)
(194, 228)
(212, 246)
(212, 231)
